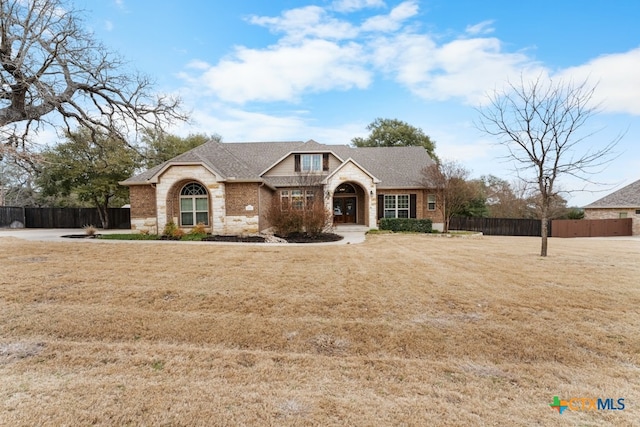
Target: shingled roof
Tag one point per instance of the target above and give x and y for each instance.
(395, 167)
(626, 197)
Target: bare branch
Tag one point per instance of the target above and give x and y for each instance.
(541, 124)
(52, 70)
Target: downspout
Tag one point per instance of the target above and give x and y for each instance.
(153, 184)
(260, 205)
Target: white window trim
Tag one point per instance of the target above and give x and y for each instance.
(395, 207)
(194, 212)
(311, 162)
(431, 197)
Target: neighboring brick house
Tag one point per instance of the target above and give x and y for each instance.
(229, 187)
(624, 203)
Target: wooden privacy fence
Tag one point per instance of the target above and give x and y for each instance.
(499, 226)
(592, 227)
(63, 217)
(11, 214)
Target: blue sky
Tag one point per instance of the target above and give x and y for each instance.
(255, 70)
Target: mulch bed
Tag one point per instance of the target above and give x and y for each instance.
(293, 238)
(245, 239)
(318, 238)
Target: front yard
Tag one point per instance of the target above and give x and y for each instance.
(400, 330)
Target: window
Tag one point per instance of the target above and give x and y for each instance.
(396, 206)
(345, 188)
(297, 199)
(637, 211)
(194, 205)
(284, 199)
(310, 197)
(431, 202)
(311, 162)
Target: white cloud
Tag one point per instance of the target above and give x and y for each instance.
(393, 21)
(353, 5)
(318, 53)
(616, 77)
(309, 21)
(282, 73)
(108, 25)
(463, 68)
(484, 27)
(198, 65)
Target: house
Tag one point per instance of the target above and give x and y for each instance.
(229, 187)
(624, 203)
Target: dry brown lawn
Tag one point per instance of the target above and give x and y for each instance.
(401, 330)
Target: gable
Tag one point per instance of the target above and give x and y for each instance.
(291, 164)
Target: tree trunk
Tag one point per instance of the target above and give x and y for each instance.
(103, 212)
(544, 229)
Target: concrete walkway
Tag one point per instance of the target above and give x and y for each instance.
(350, 234)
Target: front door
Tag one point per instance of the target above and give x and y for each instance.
(344, 210)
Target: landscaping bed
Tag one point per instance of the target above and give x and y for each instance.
(292, 238)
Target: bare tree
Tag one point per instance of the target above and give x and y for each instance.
(53, 72)
(456, 192)
(541, 123)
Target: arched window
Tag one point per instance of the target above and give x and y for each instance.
(194, 205)
(345, 188)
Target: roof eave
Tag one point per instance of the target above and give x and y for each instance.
(154, 179)
(358, 165)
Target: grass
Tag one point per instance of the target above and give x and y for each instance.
(401, 330)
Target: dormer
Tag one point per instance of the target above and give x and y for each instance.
(318, 161)
(311, 162)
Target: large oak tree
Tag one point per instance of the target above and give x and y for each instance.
(393, 133)
(53, 72)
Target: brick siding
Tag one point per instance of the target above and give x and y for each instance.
(143, 201)
(239, 196)
(422, 205)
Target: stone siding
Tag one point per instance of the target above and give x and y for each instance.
(168, 190)
(353, 174)
(240, 225)
(614, 213)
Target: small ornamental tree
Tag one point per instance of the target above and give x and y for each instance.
(542, 126)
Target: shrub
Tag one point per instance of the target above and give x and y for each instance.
(285, 221)
(575, 213)
(406, 224)
(172, 230)
(316, 217)
(198, 229)
(90, 230)
(311, 220)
